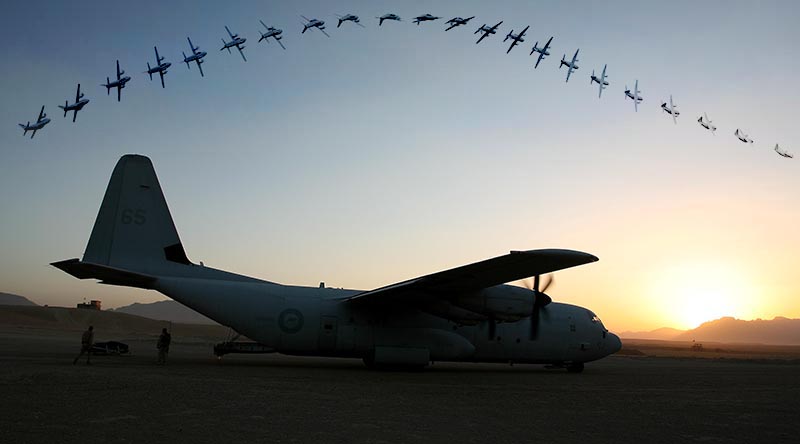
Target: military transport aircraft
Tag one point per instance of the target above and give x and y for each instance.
(119, 83)
(236, 41)
(394, 17)
(197, 56)
(783, 153)
(80, 102)
(573, 65)
(424, 18)
(313, 23)
(515, 39)
(487, 31)
(601, 81)
(160, 68)
(457, 21)
(543, 51)
(742, 136)
(636, 95)
(41, 121)
(672, 110)
(349, 18)
(706, 123)
(461, 314)
(273, 32)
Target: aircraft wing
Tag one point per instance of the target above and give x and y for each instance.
(119, 74)
(541, 56)
(161, 73)
(229, 32)
(200, 67)
(323, 31)
(569, 73)
(40, 115)
(119, 93)
(279, 42)
(499, 270)
(241, 52)
(78, 93)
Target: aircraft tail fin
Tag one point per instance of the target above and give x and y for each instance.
(66, 104)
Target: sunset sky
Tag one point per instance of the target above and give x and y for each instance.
(382, 154)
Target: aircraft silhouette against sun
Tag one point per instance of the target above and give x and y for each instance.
(41, 121)
(80, 102)
(672, 110)
(236, 41)
(515, 38)
(573, 65)
(457, 21)
(394, 17)
(783, 153)
(349, 18)
(601, 81)
(313, 23)
(424, 18)
(465, 314)
(160, 68)
(119, 83)
(197, 57)
(634, 95)
(543, 51)
(742, 136)
(487, 30)
(706, 123)
(273, 32)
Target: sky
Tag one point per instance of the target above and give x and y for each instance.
(384, 153)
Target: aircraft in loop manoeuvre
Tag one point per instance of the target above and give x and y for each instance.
(313, 23)
(394, 17)
(742, 136)
(457, 21)
(236, 41)
(573, 65)
(119, 83)
(424, 18)
(672, 109)
(783, 153)
(634, 95)
(601, 81)
(80, 102)
(706, 123)
(196, 56)
(349, 18)
(487, 30)
(466, 313)
(515, 38)
(543, 51)
(41, 121)
(160, 68)
(273, 32)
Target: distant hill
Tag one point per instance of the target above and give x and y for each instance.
(166, 311)
(13, 299)
(778, 331)
(664, 334)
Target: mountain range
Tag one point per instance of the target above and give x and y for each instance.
(166, 311)
(777, 331)
(13, 299)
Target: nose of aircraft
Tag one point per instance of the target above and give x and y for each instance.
(614, 343)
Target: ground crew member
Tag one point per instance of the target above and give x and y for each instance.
(87, 340)
(163, 346)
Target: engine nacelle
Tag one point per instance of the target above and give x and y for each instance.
(503, 302)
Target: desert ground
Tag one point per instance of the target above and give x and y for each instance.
(643, 394)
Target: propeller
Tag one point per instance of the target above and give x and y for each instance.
(540, 300)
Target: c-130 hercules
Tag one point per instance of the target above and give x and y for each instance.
(462, 314)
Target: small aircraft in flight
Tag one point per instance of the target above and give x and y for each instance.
(119, 83)
(197, 56)
(273, 32)
(487, 31)
(80, 102)
(601, 81)
(672, 109)
(313, 23)
(41, 121)
(236, 41)
(636, 95)
(783, 153)
(160, 68)
(349, 18)
(515, 39)
(543, 51)
(742, 136)
(424, 18)
(457, 21)
(573, 65)
(706, 123)
(394, 17)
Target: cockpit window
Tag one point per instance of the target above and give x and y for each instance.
(595, 319)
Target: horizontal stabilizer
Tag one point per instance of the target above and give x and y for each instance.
(104, 273)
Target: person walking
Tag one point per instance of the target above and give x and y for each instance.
(163, 346)
(87, 340)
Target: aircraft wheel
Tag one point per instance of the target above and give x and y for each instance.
(576, 367)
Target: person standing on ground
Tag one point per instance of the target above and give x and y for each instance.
(163, 346)
(87, 340)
